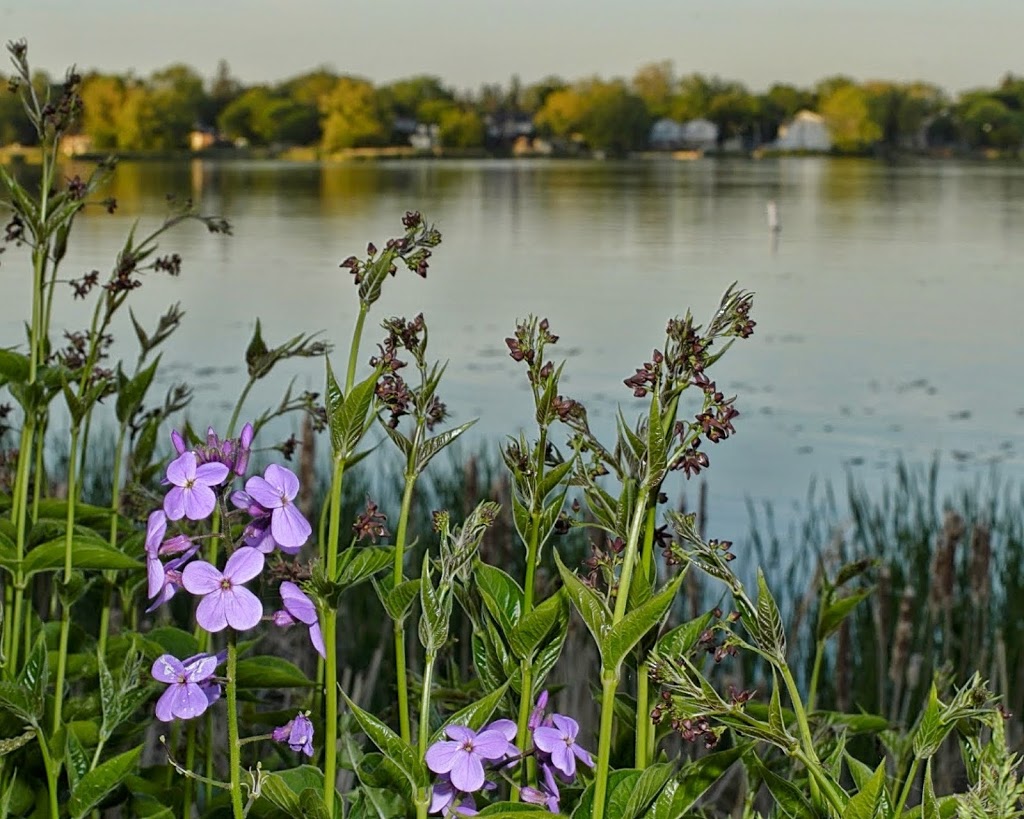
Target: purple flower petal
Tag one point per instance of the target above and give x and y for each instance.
(441, 795)
(567, 725)
(490, 745)
(201, 667)
(182, 469)
(297, 603)
(156, 527)
(210, 612)
(212, 691)
(168, 669)
(544, 737)
(504, 726)
(242, 609)
(199, 501)
(460, 733)
(154, 577)
(200, 577)
(263, 493)
(441, 756)
(244, 565)
(583, 755)
(316, 637)
(174, 503)
(178, 442)
(188, 701)
(212, 473)
(165, 705)
(282, 479)
(289, 526)
(283, 619)
(467, 772)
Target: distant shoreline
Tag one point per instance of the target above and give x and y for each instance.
(31, 155)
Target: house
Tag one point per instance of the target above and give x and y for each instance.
(201, 138)
(75, 144)
(805, 132)
(666, 135)
(425, 137)
(700, 134)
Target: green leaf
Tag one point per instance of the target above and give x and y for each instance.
(475, 715)
(859, 772)
(770, 632)
(788, 797)
(622, 636)
(75, 758)
(35, 675)
(430, 447)
(130, 396)
(285, 786)
(651, 782)
(929, 803)
(312, 805)
(865, 804)
(360, 563)
(776, 721)
(683, 638)
(947, 807)
(175, 641)
(21, 702)
(932, 729)
(392, 746)
(695, 779)
(585, 807)
(377, 771)
(255, 353)
(517, 810)
(397, 438)
(657, 446)
(620, 793)
(397, 600)
(833, 615)
(501, 594)
(86, 553)
(270, 672)
(12, 744)
(100, 781)
(534, 626)
(108, 691)
(437, 611)
(554, 476)
(347, 415)
(14, 367)
(586, 601)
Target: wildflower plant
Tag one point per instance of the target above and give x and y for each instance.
(202, 559)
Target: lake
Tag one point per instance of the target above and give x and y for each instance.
(887, 307)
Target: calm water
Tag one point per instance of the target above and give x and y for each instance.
(888, 310)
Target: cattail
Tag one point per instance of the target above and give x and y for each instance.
(981, 558)
(902, 634)
(881, 615)
(470, 490)
(940, 597)
(843, 667)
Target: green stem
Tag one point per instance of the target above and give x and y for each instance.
(629, 558)
(818, 780)
(109, 577)
(908, 783)
(65, 614)
(812, 694)
(644, 749)
(234, 750)
(424, 726)
(353, 353)
(238, 407)
(190, 760)
(398, 575)
(20, 513)
(609, 685)
(329, 624)
(801, 719)
(52, 775)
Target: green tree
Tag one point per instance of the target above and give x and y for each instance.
(240, 119)
(14, 125)
(655, 84)
(607, 115)
(103, 97)
(534, 96)
(176, 100)
(461, 128)
(734, 111)
(405, 97)
(988, 123)
(693, 96)
(847, 114)
(353, 116)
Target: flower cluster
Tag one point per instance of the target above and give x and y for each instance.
(464, 760)
(199, 480)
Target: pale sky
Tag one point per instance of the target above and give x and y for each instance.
(954, 43)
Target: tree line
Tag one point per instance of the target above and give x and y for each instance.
(331, 111)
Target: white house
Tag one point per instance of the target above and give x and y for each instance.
(666, 134)
(700, 133)
(805, 132)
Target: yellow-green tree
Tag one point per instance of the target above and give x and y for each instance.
(103, 97)
(461, 128)
(606, 115)
(353, 116)
(655, 84)
(846, 112)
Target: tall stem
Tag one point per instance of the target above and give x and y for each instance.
(806, 740)
(65, 614)
(401, 677)
(812, 694)
(20, 513)
(609, 685)
(110, 576)
(234, 750)
(908, 784)
(424, 726)
(644, 749)
(238, 407)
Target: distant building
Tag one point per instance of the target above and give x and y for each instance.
(805, 132)
(506, 127)
(425, 137)
(201, 138)
(666, 135)
(75, 144)
(700, 134)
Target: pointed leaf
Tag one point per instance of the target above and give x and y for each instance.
(392, 746)
(770, 632)
(866, 803)
(270, 672)
(696, 778)
(75, 759)
(130, 396)
(255, 353)
(833, 615)
(651, 782)
(475, 715)
(349, 421)
(359, 563)
(396, 600)
(86, 553)
(788, 797)
(929, 803)
(657, 446)
(683, 638)
(501, 594)
(620, 640)
(591, 607)
(430, 447)
(100, 781)
(535, 625)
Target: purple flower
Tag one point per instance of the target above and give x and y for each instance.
(462, 756)
(537, 715)
(232, 452)
(164, 581)
(559, 740)
(191, 496)
(298, 733)
(444, 798)
(257, 533)
(276, 491)
(298, 608)
(507, 728)
(225, 601)
(190, 690)
(547, 795)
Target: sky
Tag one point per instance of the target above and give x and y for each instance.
(955, 43)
